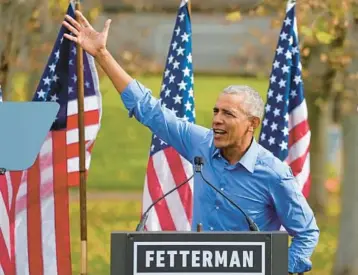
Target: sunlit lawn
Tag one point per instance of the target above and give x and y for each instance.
(105, 216)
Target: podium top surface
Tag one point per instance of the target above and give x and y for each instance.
(23, 129)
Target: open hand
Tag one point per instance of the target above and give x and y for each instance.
(85, 35)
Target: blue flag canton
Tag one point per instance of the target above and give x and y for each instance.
(59, 79)
(285, 91)
(178, 79)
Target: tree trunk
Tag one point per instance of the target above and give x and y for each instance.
(347, 252)
(319, 119)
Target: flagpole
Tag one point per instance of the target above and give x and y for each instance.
(189, 8)
(82, 154)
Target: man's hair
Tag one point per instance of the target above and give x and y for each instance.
(253, 103)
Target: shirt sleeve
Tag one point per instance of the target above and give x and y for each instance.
(298, 219)
(176, 132)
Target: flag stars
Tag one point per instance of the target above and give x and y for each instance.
(167, 92)
(288, 21)
(54, 98)
(185, 37)
(163, 87)
(57, 54)
(41, 94)
(270, 93)
(273, 126)
(74, 78)
(293, 93)
(285, 69)
(182, 85)
(188, 106)
(191, 93)
(186, 72)
(87, 84)
(171, 78)
(295, 50)
(176, 65)
(263, 136)
(189, 58)
(70, 90)
(276, 65)
(170, 59)
(276, 112)
(174, 45)
(282, 83)
(279, 98)
(181, 16)
(265, 122)
(283, 36)
(286, 117)
(273, 79)
(271, 140)
(279, 50)
(55, 78)
(177, 99)
(47, 80)
(52, 67)
(297, 79)
(268, 108)
(166, 73)
(285, 131)
(180, 51)
(74, 51)
(177, 31)
(152, 147)
(283, 145)
(288, 55)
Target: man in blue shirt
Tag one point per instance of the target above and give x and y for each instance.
(233, 161)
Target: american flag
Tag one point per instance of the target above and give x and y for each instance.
(34, 206)
(166, 167)
(285, 129)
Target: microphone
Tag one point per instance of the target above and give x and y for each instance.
(198, 161)
(143, 220)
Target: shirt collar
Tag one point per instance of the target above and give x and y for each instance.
(248, 160)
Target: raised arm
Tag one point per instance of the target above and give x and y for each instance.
(181, 135)
(95, 43)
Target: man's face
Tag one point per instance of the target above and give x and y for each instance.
(230, 122)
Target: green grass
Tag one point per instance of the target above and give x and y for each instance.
(120, 154)
(105, 216)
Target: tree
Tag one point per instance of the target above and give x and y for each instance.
(322, 27)
(27, 36)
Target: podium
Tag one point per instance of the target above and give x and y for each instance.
(191, 253)
(23, 129)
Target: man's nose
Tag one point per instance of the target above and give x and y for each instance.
(217, 119)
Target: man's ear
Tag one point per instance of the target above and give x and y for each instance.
(255, 122)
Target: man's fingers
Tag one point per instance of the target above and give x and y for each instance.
(70, 37)
(70, 28)
(73, 22)
(106, 26)
(82, 19)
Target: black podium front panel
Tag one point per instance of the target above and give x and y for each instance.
(221, 253)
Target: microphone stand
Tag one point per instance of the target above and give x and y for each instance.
(252, 225)
(143, 220)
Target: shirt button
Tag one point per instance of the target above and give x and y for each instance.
(222, 189)
(217, 207)
(211, 228)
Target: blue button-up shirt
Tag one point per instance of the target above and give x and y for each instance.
(261, 184)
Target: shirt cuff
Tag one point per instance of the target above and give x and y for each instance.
(298, 264)
(132, 94)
